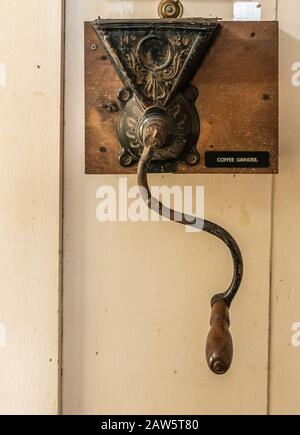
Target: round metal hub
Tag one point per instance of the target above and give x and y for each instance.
(173, 131)
(170, 9)
(156, 123)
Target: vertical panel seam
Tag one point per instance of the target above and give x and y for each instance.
(61, 200)
(269, 376)
(270, 294)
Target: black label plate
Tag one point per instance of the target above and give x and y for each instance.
(237, 159)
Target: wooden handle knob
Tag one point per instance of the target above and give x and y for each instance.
(219, 347)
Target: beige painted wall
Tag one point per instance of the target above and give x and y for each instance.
(30, 108)
(285, 308)
(136, 296)
(133, 342)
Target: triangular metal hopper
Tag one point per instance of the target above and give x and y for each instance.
(156, 58)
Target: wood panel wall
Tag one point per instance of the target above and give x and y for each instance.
(136, 295)
(30, 178)
(134, 341)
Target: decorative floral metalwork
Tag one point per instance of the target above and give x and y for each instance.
(155, 63)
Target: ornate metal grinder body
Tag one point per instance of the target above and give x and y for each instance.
(159, 126)
(156, 61)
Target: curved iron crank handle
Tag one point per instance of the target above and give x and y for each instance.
(219, 346)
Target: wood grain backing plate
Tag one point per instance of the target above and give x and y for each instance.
(237, 103)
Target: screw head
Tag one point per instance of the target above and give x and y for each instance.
(192, 159)
(124, 95)
(126, 160)
(93, 47)
(191, 93)
(219, 367)
(170, 10)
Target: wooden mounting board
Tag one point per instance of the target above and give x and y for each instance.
(237, 103)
